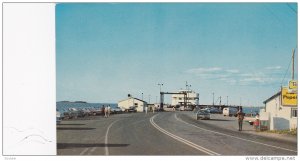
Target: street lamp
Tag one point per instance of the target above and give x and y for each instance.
(143, 96)
(160, 84)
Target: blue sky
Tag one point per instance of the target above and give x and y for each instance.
(105, 51)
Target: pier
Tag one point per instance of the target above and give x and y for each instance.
(185, 101)
(220, 106)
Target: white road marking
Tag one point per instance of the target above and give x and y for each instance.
(191, 144)
(85, 150)
(106, 138)
(235, 136)
(92, 150)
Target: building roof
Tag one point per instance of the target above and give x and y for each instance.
(275, 95)
(133, 98)
(139, 100)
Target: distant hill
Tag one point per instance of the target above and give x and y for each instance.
(80, 102)
(64, 101)
(72, 102)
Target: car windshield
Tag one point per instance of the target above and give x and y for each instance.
(204, 111)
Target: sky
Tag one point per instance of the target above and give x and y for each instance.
(105, 51)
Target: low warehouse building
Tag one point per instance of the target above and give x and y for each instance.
(281, 116)
(132, 103)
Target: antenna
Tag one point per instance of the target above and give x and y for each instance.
(187, 85)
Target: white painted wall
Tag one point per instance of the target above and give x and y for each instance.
(125, 104)
(280, 116)
(193, 98)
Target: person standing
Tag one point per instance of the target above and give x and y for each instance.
(105, 111)
(240, 116)
(108, 110)
(102, 110)
(146, 109)
(256, 122)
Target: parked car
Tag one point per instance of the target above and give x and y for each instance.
(202, 114)
(131, 109)
(116, 110)
(215, 110)
(73, 113)
(97, 111)
(84, 112)
(188, 108)
(58, 117)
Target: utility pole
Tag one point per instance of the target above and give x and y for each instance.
(142, 96)
(161, 96)
(293, 61)
(240, 101)
(187, 93)
(213, 99)
(227, 100)
(220, 100)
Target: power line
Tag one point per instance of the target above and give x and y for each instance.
(273, 14)
(291, 7)
(286, 72)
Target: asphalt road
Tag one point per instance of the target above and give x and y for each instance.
(163, 133)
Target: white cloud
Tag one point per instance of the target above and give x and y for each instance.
(232, 71)
(231, 81)
(255, 78)
(204, 70)
(274, 68)
(210, 73)
(264, 76)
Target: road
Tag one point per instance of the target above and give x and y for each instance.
(163, 133)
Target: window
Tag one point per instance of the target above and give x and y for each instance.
(294, 113)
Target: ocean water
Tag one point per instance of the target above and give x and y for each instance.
(249, 110)
(63, 106)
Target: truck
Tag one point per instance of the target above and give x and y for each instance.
(230, 111)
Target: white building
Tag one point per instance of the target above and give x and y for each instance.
(192, 98)
(138, 104)
(280, 117)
